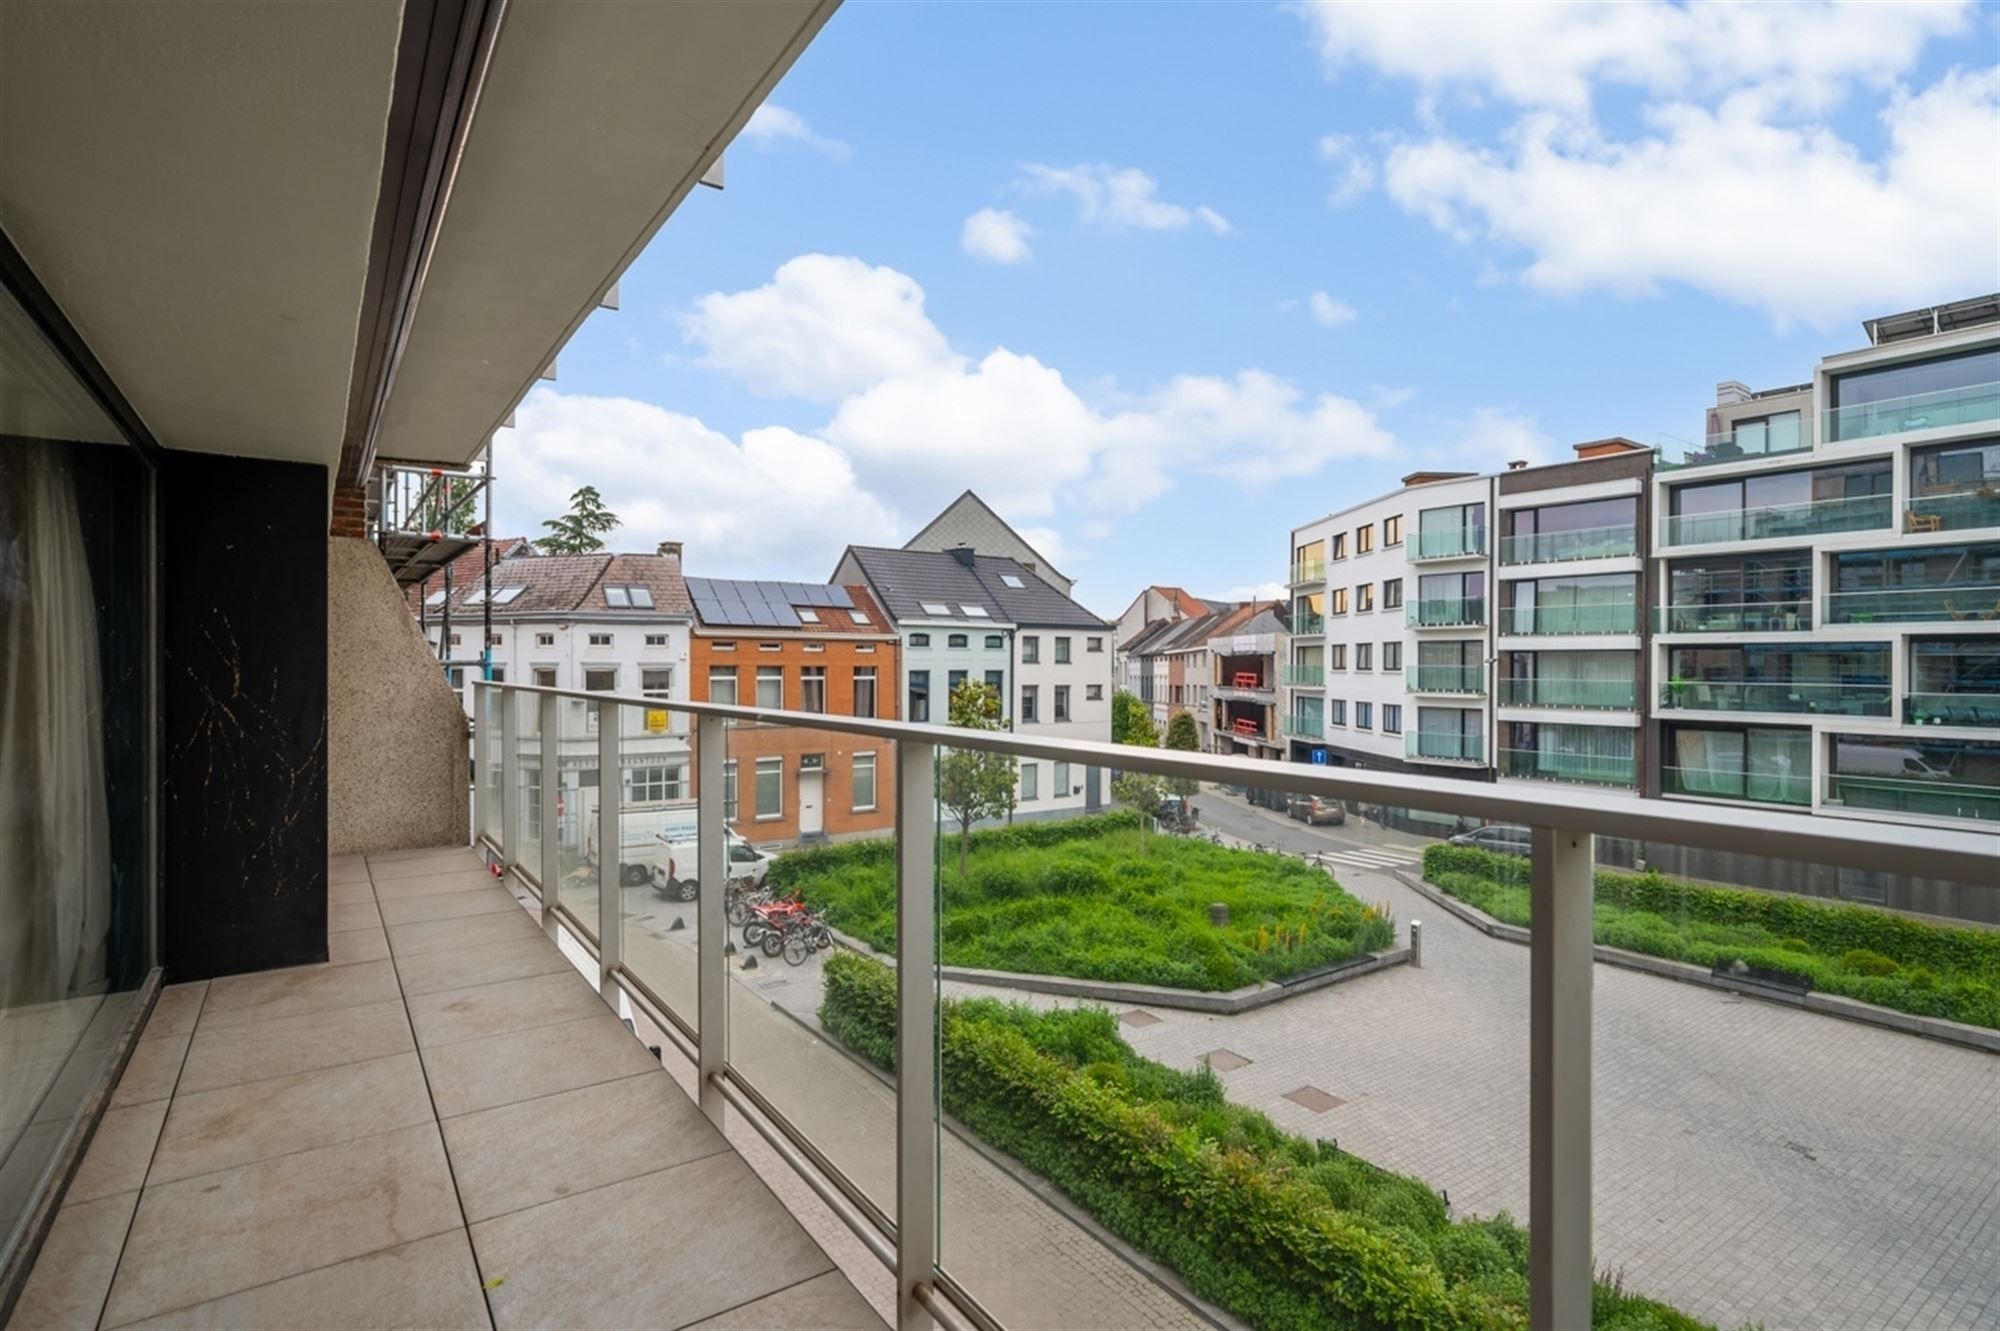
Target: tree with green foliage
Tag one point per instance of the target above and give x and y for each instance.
(1182, 734)
(582, 529)
(1132, 720)
(973, 783)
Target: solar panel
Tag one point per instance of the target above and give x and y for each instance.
(838, 596)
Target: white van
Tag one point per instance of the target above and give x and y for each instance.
(658, 845)
(1887, 760)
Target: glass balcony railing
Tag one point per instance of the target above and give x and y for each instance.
(1972, 405)
(1449, 543)
(1833, 698)
(1305, 676)
(1444, 746)
(1611, 695)
(1445, 612)
(1818, 517)
(1557, 547)
(1587, 769)
(1305, 727)
(1966, 603)
(1959, 510)
(1733, 783)
(1921, 798)
(1734, 617)
(1561, 620)
(1951, 709)
(1447, 679)
(1779, 437)
(1311, 570)
(1306, 623)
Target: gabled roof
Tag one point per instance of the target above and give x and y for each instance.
(983, 510)
(1144, 642)
(1033, 604)
(568, 584)
(735, 605)
(468, 569)
(1254, 620)
(904, 581)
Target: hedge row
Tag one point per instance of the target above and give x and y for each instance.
(794, 867)
(1289, 1235)
(1873, 956)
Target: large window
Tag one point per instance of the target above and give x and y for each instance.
(1062, 702)
(864, 691)
(1605, 603)
(1607, 680)
(1767, 764)
(812, 689)
(1029, 693)
(1062, 651)
(1954, 487)
(1593, 529)
(1954, 682)
(722, 684)
(1586, 755)
(1031, 649)
(650, 785)
(1726, 594)
(1848, 679)
(771, 687)
(1031, 781)
(864, 781)
(1779, 504)
(1444, 533)
(1915, 395)
(770, 787)
(1918, 776)
(1958, 583)
(920, 696)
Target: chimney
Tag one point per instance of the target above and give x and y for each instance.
(1729, 392)
(670, 548)
(963, 554)
(1517, 464)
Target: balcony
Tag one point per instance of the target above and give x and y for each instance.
(1819, 517)
(1963, 603)
(1951, 709)
(1558, 547)
(1305, 624)
(1568, 620)
(1450, 543)
(1611, 695)
(1308, 571)
(1733, 783)
(1833, 698)
(1975, 404)
(1304, 726)
(1440, 612)
(1443, 747)
(1305, 676)
(1583, 769)
(1915, 797)
(1777, 439)
(1958, 510)
(1790, 616)
(1470, 679)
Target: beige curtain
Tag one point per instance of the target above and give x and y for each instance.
(55, 862)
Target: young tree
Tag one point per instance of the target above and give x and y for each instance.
(972, 783)
(1182, 734)
(1132, 720)
(582, 529)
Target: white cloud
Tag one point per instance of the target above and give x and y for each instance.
(1329, 312)
(1552, 53)
(1737, 182)
(771, 126)
(1120, 198)
(997, 236)
(1250, 591)
(1353, 169)
(1496, 436)
(1058, 551)
(1791, 219)
(776, 502)
(823, 328)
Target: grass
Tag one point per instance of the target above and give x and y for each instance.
(1287, 1233)
(1098, 899)
(1874, 956)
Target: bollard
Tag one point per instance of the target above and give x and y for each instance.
(1417, 944)
(1218, 914)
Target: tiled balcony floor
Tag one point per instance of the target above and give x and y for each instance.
(443, 1127)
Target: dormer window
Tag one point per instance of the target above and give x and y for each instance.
(628, 598)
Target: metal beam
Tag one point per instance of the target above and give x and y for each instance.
(610, 850)
(1559, 979)
(916, 1033)
(711, 921)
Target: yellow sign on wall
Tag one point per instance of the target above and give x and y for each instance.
(656, 720)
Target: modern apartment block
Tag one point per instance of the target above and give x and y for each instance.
(1238, 693)
(1827, 583)
(786, 646)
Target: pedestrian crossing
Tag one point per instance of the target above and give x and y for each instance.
(1380, 858)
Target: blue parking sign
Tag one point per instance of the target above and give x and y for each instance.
(1319, 757)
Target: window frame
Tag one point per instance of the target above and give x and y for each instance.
(773, 767)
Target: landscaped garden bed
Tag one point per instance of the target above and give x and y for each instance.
(1859, 952)
(1101, 898)
(1286, 1233)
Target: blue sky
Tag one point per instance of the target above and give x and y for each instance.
(1234, 266)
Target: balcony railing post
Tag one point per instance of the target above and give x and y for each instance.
(479, 741)
(610, 853)
(1559, 1085)
(711, 911)
(510, 781)
(551, 788)
(916, 1030)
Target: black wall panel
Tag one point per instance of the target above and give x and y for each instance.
(243, 712)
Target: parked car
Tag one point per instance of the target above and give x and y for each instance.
(658, 845)
(1502, 838)
(1314, 809)
(674, 873)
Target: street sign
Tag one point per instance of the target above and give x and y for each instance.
(1319, 757)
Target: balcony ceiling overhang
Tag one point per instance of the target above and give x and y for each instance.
(197, 186)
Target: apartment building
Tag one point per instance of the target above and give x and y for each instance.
(804, 648)
(1827, 583)
(964, 615)
(1236, 698)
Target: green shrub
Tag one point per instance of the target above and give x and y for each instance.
(1286, 1233)
(1860, 952)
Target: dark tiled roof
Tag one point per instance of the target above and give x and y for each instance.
(1143, 641)
(905, 579)
(1034, 604)
(467, 569)
(659, 574)
(572, 584)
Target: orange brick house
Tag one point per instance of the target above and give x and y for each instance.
(806, 647)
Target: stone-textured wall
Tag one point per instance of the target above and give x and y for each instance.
(397, 755)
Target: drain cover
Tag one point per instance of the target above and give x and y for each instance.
(1313, 1098)
(1138, 1016)
(1225, 1060)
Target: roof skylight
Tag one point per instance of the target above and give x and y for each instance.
(976, 611)
(1011, 580)
(935, 608)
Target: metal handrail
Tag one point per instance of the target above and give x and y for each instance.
(1819, 839)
